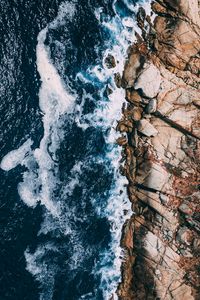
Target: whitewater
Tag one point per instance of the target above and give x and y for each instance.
(71, 204)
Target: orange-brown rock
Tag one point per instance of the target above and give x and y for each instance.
(132, 67)
(162, 238)
(177, 33)
(133, 96)
(122, 141)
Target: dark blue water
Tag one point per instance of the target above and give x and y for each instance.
(59, 237)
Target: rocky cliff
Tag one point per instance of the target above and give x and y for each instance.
(160, 139)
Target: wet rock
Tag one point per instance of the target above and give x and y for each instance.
(141, 16)
(109, 91)
(151, 106)
(124, 125)
(122, 128)
(136, 114)
(118, 79)
(110, 61)
(132, 66)
(134, 138)
(127, 238)
(122, 141)
(133, 96)
(149, 81)
(146, 128)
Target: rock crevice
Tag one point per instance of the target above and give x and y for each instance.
(161, 153)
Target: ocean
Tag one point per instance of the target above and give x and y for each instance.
(63, 200)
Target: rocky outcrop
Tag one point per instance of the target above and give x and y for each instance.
(161, 148)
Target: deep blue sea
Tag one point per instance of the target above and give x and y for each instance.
(63, 201)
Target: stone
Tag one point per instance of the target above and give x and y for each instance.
(132, 66)
(149, 81)
(163, 180)
(109, 91)
(146, 128)
(153, 246)
(122, 128)
(188, 8)
(127, 238)
(133, 96)
(118, 80)
(151, 106)
(185, 209)
(178, 40)
(136, 114)
(183, 292)
(110, 61)
(185, 235)
(122, 141)
(164, 198)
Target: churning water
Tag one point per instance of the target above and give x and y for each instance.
(63, 199)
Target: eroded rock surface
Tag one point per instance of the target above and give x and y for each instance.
(148, 81)
(161, 147)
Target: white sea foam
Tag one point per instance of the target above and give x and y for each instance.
(118, 208)
(44, 272)
(41, 178)
(54, 102)
(16, 157)
(54, 99)
(67, 11)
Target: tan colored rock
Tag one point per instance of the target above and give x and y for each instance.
(177, 42)
(188, 8)
(132, 66)
(151, 106)
(157, 177)
(164, 183)
(185, 235)
(127, 239)
(149, 81)
(133, 96)
(136, 114)
(146, 128)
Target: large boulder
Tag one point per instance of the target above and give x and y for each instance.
(149, 81)
(132, 67)
(146, 128)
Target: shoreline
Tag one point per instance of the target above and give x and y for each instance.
(160, 144)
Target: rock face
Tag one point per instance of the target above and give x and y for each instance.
(161, 147)
(146, 128)
(149, 81)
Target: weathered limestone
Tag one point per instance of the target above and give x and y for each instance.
(161, 147)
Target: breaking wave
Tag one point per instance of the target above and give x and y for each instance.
(74, 173)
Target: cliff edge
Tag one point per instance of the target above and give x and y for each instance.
(160, 139)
